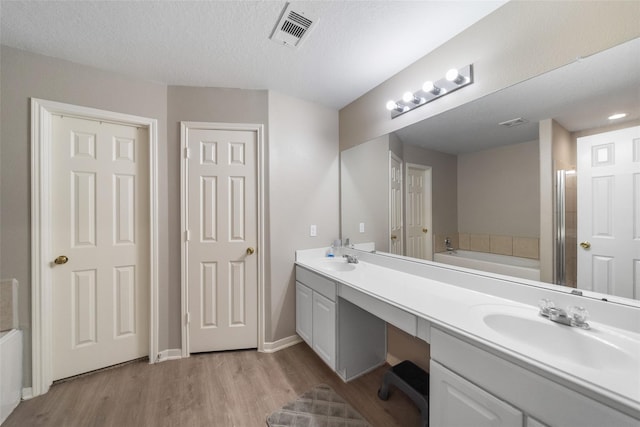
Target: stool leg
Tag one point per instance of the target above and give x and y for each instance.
(383, 392)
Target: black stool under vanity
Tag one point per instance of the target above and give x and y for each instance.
(413, 381)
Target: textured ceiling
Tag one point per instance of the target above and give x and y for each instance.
(355, 45)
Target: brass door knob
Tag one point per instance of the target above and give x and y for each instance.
(425, 230)
(250, 251)
(585, 245)
(62, 259)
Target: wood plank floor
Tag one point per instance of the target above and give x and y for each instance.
(238, 388)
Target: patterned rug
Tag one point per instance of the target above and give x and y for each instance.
(318, 407)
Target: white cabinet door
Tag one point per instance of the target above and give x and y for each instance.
(304, 318)
(455, 402)
(324, 328)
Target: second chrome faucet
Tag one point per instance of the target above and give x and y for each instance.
(572, 316)
(351, 259)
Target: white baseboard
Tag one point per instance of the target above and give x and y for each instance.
(27, 393)
(393, 360)
(281, 344)
(170, 354)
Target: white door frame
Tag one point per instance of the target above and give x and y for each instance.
(184, 202)
(42, 112)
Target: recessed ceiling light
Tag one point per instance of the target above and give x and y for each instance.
(617, 116)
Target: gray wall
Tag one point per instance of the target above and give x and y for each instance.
(303, 190)
(24, 76)
(499, 191)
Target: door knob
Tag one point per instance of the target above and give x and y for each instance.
(425, 230)
(62, 259)
(585, 245)
(394, 237)
(250, 251)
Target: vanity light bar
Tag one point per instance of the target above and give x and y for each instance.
(430, 91)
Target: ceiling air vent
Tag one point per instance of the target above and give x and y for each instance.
(514, 122)
(292, 29)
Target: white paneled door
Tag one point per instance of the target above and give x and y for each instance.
(609, 212)
(221, 239)
(100, 232)
(418, 201)
(395, 204)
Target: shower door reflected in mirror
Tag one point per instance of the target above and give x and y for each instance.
(566, 228)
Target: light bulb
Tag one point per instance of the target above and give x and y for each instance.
(617, 116)
(391, 105)
(408, 97)
(428, 86)
(454, 76)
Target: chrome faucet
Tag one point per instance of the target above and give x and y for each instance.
(447, 244)
(351, 259)
(573, 316)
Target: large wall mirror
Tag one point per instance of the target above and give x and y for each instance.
(498, 178)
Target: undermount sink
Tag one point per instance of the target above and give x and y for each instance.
(596, 348)
(336, 264)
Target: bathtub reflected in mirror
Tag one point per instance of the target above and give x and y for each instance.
(523, 268)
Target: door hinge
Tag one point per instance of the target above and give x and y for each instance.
(186, 235)
(187, 317)
(187, 153)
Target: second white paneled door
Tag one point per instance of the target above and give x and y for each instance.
(221, 234)
(395, 205)
(100, 238)
(418, 190)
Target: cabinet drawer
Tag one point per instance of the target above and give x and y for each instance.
(320, 284)
(457, 402)
(387, 312)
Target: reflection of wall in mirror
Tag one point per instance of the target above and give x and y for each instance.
(365, 183)
(363, 192)
(498, 200)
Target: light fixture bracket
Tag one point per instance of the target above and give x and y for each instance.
(446, 87)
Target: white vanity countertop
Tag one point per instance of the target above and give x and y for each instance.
(461, 310)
